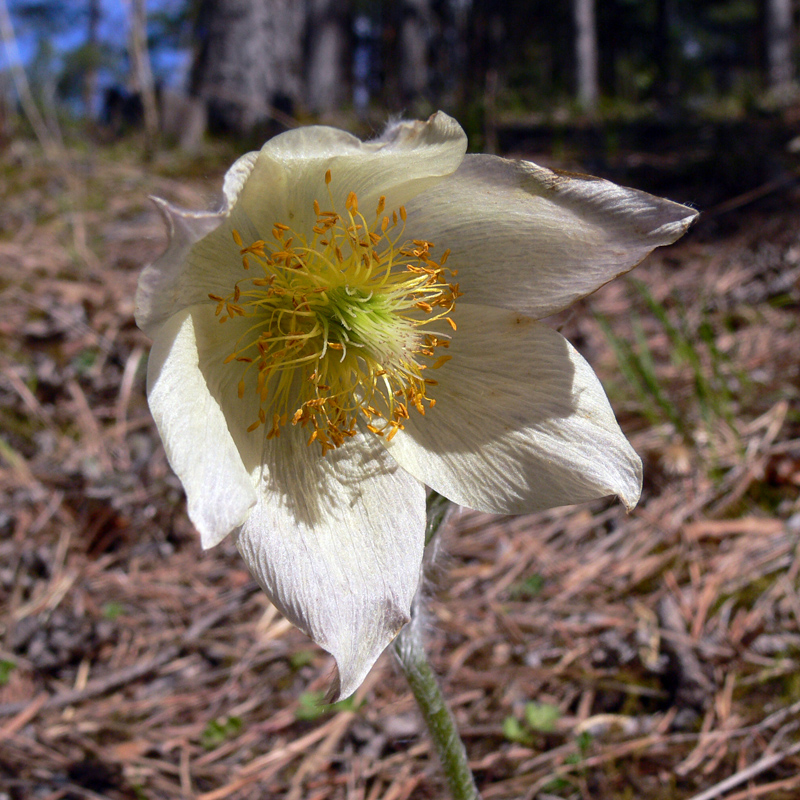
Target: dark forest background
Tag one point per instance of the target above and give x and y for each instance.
(250, 66)
(703, 91)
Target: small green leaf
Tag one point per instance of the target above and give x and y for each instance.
(301, 659)
(6, 668)
(584, 742)
(514, 732)
(310, 706)
(527, 588)
(140, 793)
(542, 716)
(557, 785)
(112, 610)
(220, 730)
(84, 361)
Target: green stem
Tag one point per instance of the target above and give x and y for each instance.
(442, 727)
(410, 652)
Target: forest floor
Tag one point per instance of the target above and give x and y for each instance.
(587, 653)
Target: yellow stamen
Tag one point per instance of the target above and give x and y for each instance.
(340, 325)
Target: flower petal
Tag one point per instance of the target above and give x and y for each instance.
(526, 238)
(407, 159)
(520, 424)
(192, 426)
(184, 273)
(280, 184)
(336, 542)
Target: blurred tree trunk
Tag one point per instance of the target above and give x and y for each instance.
(49, 140)
(778, 37)
(328, 50)
(90, 76)
(586, 54)
(414, 37)
(248, 67)
(142, 74)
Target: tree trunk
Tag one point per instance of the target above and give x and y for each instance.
(328, 76)
(90, 76)
(142, 75)
(50, 141)
(248, 68)
(779, 41)
(414, 38)
(586, 54)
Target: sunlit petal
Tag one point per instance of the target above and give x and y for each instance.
(520, 424)
(526, 238)
(199, 258)
(337, 544)
(192, 426)
(410, 157)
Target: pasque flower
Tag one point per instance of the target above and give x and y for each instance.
(359, 320)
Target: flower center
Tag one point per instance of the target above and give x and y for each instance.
(340, 323)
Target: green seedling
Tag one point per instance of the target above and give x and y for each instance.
(219, 731)
(310, 706)
(527, 588)
(538, 718)
(301, 658)
(6, 668)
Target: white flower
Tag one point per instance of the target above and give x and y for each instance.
(318, 359)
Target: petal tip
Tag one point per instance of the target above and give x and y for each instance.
(438, 128)
(212, 531)
(215, 517)
(629, 494)
(354, 663)
(210, 538)
(630, 502)
(678, 219)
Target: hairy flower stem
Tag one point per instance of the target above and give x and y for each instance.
(410, 652)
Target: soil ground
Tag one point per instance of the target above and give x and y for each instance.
(587, 653)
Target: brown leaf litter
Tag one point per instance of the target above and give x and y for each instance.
(665, 643)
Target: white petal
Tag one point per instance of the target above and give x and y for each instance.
(408, 159)
(199, 447)
(336, 542)
(186, 272)
(280, 184)
(236, 177)
(520, 424)
(526, 238)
